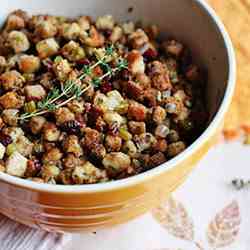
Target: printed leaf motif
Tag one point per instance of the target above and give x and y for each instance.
(173, 216)
(223, 230)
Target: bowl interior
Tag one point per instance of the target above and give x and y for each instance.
(184, 20)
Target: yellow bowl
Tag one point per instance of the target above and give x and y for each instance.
(89, 207)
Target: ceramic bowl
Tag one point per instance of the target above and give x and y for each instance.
(89, 207)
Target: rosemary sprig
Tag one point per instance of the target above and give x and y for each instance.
(71, 90)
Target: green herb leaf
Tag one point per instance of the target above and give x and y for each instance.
(40, 105)
(122, 64)
(106, 67)
(51, 107)
(110, 50)
(53, 93)
(76, 90)
(96, 82)
(87, 70)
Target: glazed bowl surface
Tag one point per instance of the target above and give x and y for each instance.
(89, 207)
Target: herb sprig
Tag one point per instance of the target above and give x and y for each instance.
(70, 90)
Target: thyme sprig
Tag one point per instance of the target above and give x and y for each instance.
(71, 90)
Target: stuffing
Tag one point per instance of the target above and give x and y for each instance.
(88, 100)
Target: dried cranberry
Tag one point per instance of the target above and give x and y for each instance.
(81, 119)
(37, 165)
(114, 129)
(5, 139)
(96, 154)
(84, 61)
(93, 114)
(107, 33)
(97, 110)
(150, 54)
(100, 125)
(125, 75)
(106, 87)
(72, 127)
(33, 168)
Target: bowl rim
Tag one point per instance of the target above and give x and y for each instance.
(137, 179)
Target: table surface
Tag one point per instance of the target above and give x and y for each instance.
(236, 16)
(204, 213)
